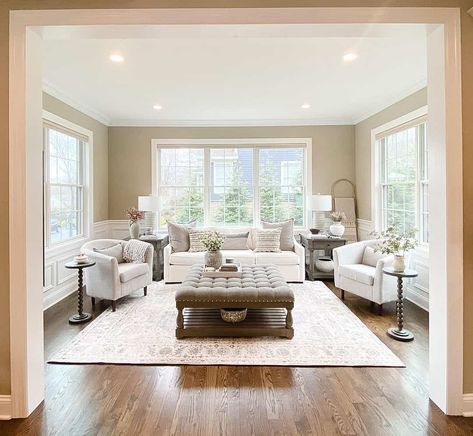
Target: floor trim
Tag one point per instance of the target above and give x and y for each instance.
(5, 407)
(468, 405)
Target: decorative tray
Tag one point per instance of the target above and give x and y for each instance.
(225, 274)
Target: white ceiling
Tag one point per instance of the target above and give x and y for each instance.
(233, 75)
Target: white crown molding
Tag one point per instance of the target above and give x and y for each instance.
(5, 407)
(389, 101)
(50, 89)
(230, 123)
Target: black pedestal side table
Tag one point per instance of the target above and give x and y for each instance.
(400, 333)
(80, 316)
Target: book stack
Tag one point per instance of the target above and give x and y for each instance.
(229, 267)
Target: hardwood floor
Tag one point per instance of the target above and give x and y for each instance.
(232, 400)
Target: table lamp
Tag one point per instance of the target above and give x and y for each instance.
(319, 203)
(149, 204)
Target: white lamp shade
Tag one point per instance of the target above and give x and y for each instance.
(321, 203)
(148, 203)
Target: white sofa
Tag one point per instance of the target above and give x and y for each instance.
(110, 279)
(290, 263)
(365, 279)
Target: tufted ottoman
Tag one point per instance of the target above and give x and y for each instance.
(261, 289)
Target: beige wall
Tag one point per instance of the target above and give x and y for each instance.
(363, 146)
(333, 155)
(100, 154)
(467, 102)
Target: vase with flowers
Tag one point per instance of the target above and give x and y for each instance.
(213, 242)
(396, 243)
(337, 228)
(134, 216)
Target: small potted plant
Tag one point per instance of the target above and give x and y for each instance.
(213, 242)
(337, 228)
(134, 216)
(398, 244)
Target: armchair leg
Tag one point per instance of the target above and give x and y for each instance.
(145, 290)
(114, 305)
(380, 309)
(342, 294)
(93, 301)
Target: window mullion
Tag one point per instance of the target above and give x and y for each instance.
(256, 188)
(207, 174)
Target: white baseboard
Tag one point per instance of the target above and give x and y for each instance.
(56, 294)
(5, 407)
(418, 297)
(468, 405)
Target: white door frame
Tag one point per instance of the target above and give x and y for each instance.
(445, 112)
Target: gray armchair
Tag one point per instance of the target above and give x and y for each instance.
(111, 278)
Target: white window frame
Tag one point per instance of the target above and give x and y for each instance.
(255, 143)
(52, 120)
(376, 184)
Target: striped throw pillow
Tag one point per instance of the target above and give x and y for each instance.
(195, 236)
(268, 240)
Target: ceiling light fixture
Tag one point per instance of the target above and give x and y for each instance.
(158, 107)
(305, 106)
(116, 57)
(349, 57)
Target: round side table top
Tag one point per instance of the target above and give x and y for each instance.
(408, 273)
(75, 265)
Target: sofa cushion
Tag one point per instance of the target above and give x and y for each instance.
(129, 271)
(371, 257)
(287, 233)
(179, 236)
(245, 257)
(282, 258)
(113, 251)
(358, 272)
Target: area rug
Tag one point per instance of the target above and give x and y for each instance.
(141, 331)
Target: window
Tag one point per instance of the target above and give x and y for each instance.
(231, 186)
(403, 178)
(64, 184)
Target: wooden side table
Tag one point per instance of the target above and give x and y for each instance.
(400, 333)
(158, 241)
(313, 244)
(80, 316)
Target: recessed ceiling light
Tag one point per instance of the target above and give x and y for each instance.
(305, 106)
(115, 57)
(348, 57)
(158, 107)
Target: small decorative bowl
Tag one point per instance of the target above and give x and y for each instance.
(82, 258)
(315, 231)
(233, 315)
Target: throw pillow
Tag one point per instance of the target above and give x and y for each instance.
(268, 240)
(371, 257)
(236, 241)
(287, 233)
(195, 240)
(113, 251)
(179, 236)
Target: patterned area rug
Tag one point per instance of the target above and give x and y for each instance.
(141, 331)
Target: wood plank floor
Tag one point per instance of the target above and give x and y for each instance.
(226, 400)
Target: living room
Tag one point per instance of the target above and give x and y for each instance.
(238, 128)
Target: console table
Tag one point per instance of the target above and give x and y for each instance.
(158, 241)
(313, 244)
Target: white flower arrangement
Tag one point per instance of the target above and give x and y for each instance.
(212, 241)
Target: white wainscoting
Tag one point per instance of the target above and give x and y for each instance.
(364, 228)
(5, 407)
(61, 282)
(417, 290)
